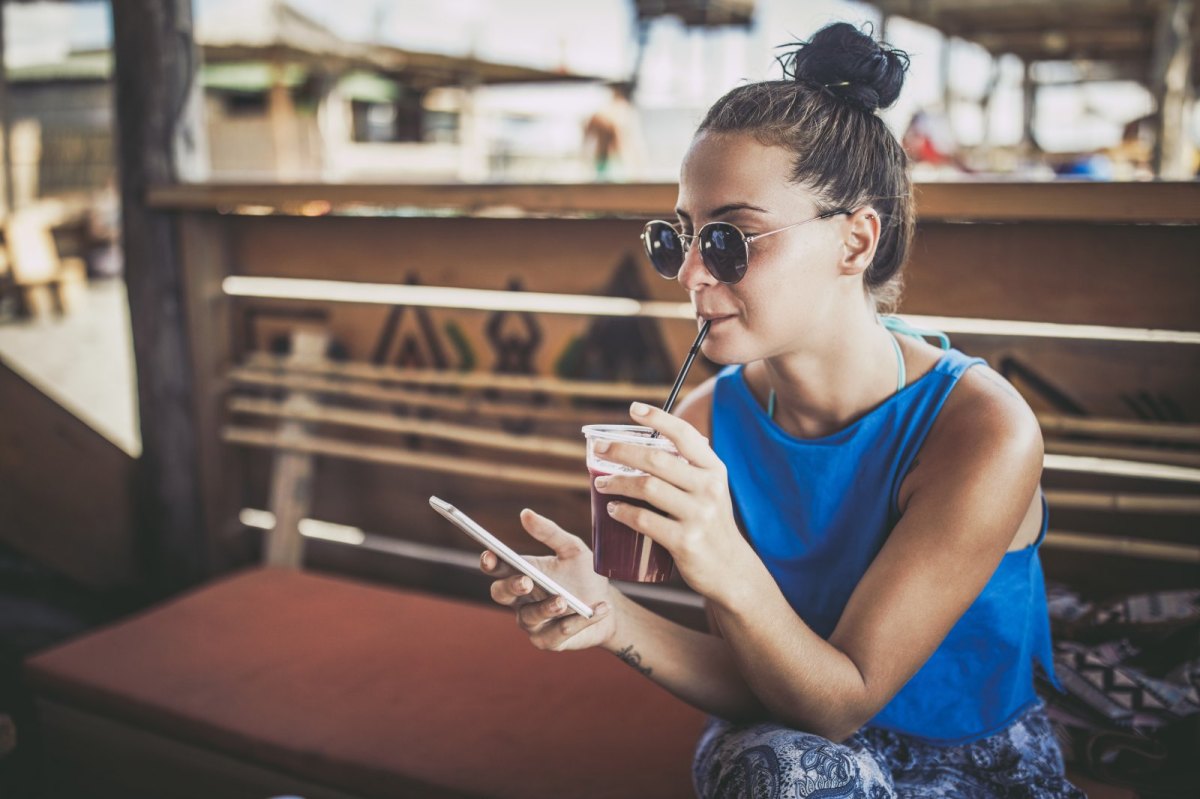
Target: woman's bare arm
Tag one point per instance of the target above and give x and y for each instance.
(697, 667)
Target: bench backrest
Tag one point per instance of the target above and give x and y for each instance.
(469, 428)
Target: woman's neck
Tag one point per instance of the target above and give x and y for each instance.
(835, 379)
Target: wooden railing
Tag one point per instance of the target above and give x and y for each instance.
(998, 257)
(336, 391)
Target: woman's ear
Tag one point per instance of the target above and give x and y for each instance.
(860, 241)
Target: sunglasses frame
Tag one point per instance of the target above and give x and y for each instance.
(686, 239)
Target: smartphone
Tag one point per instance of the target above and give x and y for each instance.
(539, 577)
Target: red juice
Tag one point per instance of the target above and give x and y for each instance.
(619, 551)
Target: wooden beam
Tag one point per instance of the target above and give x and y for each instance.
(1155, 203)
(1047, 44)
(562, 200)
(1136, 430)
(1123, 547)
(477, 381)
(424, 428)
(396, 456)
(1103, 449)
(1117, 502)
(473, 406)
(154, 70)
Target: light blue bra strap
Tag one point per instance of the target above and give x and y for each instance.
(901, 375)
(898, 325)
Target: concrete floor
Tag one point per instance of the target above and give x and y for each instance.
(83, 360)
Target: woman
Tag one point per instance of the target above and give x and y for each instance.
(863, 527)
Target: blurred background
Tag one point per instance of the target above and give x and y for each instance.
(213, 209)
(539, 91)
(477, 91)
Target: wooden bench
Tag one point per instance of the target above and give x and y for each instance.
(275, 680)
(279, 681)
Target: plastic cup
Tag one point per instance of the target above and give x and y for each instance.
(619, 551)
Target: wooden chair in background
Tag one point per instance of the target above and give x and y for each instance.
(41, 280)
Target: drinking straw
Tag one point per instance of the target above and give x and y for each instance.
(687, 364)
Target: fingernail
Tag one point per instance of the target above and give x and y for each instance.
(612, 507)
(602, 446)
(638, 409)
(601, 482)
(556, 605)
(524, 584)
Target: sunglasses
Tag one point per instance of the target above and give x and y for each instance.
(724, 249)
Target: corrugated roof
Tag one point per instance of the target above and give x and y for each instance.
(95, 65)
(699, 13)
(271, 30)
(1121, 32)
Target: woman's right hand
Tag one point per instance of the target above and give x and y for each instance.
(549, 621)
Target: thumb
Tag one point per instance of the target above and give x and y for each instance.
(563, 543)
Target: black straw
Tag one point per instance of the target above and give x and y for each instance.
(687, 364)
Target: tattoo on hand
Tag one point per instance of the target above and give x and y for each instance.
(634, 659)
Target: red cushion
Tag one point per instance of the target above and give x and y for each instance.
(379, 691)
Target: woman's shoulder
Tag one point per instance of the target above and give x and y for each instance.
(983, 416)
(984, 399)
(983, 457)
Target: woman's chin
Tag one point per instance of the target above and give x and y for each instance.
(724, 353)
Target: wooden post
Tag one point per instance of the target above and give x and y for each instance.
(1172, 87)
(333, 124)
(985, 103)
(154, 70)
(5, 121)
(944, 72)
(292, 475)
(281, 112)
(1029, 145)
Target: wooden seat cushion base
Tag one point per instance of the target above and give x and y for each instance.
(95, 757)
(376, 692)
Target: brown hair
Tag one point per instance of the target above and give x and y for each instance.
(824, 112)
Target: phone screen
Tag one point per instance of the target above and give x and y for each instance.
(505, 553)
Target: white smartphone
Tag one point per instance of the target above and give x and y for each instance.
(502, 550)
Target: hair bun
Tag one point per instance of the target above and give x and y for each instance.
(849, 63)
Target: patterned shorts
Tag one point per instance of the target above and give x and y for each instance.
(769, 761)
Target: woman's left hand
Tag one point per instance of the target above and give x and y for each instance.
(692, 513)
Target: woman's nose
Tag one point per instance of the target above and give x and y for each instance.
(693, 274)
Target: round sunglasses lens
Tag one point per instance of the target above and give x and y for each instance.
(723, 249)
(664, 248)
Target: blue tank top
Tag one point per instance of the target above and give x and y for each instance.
(817, 511)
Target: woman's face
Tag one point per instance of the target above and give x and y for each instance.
(795, 283)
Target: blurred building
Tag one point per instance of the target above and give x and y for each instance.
(284, 98)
